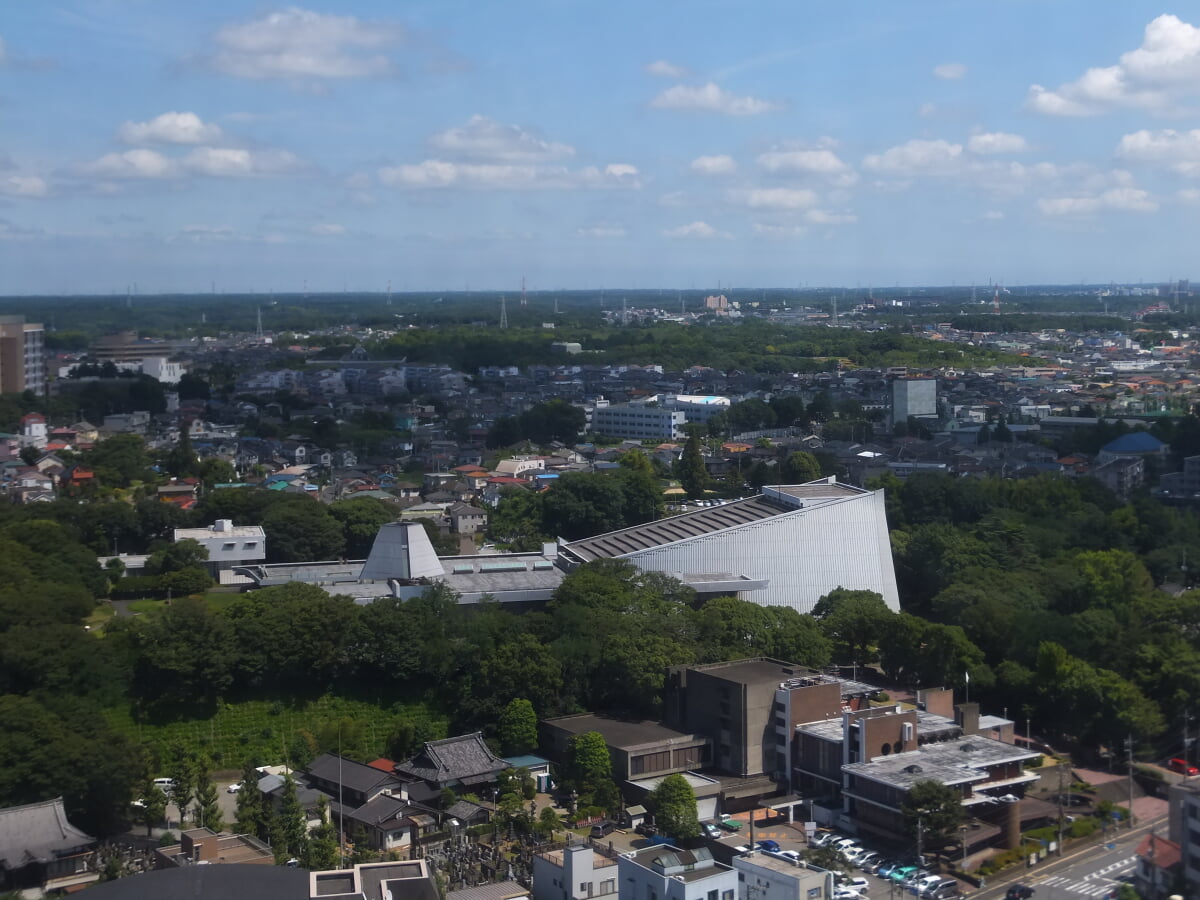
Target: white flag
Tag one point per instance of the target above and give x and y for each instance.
(967, 677)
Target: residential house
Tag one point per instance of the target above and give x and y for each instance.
(1158, 873)
(466, 519)
(576, 872)
(664, 872)
(765, 876)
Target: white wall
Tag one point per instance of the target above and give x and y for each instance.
(804, 554)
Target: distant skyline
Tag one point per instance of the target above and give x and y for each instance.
(459, 145)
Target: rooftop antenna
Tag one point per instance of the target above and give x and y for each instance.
(624, 311)
(258, 332)
(389, 294)
(503, 312)
(524, 297)
(556, 306)
(996, 301)
(835, 321)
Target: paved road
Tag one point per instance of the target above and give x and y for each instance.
(1094, 872)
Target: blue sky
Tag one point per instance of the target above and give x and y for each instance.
(456, 144)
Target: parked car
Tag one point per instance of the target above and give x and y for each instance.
(789, 854)
(731, 824)
(947, 890)
(1019, 892)
(646, 829)
(884, 869)
(768, 846)
(853, 853)
(234, 788)
(821, 838)
(164, 784)
(603, 829)
(899, 873)
(931, 888)
(925, 884)
(846, 894)
(858, 883)
(868, 861)
(1183, 767)
(711, 831)
(744, 848)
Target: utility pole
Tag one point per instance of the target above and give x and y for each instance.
(1129, 762)
(1061, 817)
(1186, 719)
(920, 841)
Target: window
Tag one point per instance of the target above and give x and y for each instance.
(608, 886)
(229, 546)
(250, 545)
(726, 895)
(781, 739)
(712, 895)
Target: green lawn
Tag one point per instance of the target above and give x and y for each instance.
(262, 729)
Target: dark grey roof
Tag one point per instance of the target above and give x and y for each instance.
(223, 882)
(453, 758)
(501, 890)
(381, 809)
(348, 773)
(465, 811)
(675, 528)
(38, 832)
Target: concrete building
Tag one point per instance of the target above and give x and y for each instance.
(409, 880)
(698, 409)
(40, 848)
(1183, 829)
(913, 397)
(626, 420)
(203, 846)
(789, 546)
(22, 356)
(637, 749)
(763, 876)
(228, 546)
(574, 873)
(664, 872)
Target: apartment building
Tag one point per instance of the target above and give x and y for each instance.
(22, 356)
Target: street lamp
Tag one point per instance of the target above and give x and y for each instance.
(965, 829)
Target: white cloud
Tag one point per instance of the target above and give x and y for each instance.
(439, 173)
(212, 161)
(710, 98)
(660, 68)
(232, 162)
(1179, 151)
(777, 198)
(206, 233)
(1188, 195)
(138, 163)
(766, 229)
(822, 162)
(714, 165)
(927, 110)
(1120, 199)
(1164, 69)
(23, 186)
(170, 128)
(993, 215)
(601, 232)
(822, 217)
(997, 142)
(301, 44)
(484, 138)
(325, 229)
(697, 229)
(916, 157)
(950, 71)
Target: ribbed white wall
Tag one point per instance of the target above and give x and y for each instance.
(805, 554)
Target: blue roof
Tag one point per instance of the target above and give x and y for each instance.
(1135, 442)
(525, 762)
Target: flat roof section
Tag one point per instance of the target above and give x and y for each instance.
(623, 733)
(960, 761)
(759, 670)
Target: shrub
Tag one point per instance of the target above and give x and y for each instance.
(1083, 827)
(136, 586)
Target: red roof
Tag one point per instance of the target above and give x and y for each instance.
(504, 479)
(1162, 853)
(383, 765)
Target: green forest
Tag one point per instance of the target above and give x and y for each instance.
(1045, 591)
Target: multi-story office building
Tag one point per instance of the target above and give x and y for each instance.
(22, 356)
(665, 873)
(624, 420)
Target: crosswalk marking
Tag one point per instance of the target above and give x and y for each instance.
(1094, 884)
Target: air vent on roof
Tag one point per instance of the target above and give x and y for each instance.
(914, 769)
(968, 748)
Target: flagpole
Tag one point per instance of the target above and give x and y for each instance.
(967, 681)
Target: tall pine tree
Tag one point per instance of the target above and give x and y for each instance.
(252, 816)
(693, 476)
